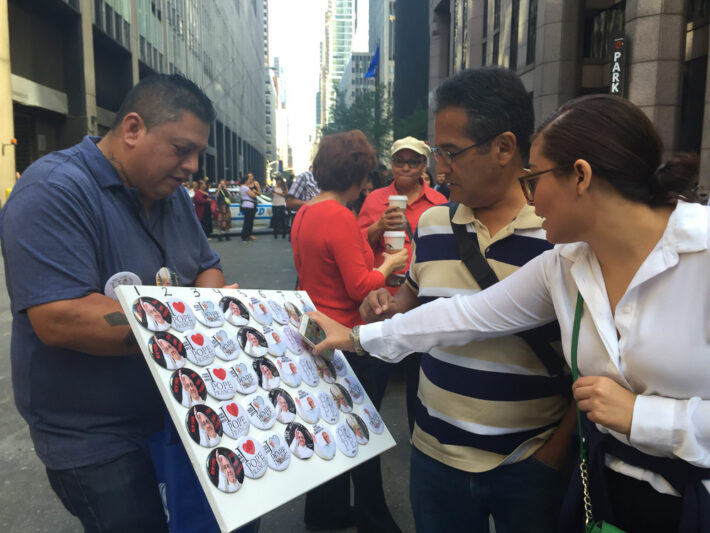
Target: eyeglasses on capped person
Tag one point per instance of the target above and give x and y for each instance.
(528, 181)
(448, 157)
(399, 162)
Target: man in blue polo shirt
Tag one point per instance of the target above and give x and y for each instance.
(105, 211)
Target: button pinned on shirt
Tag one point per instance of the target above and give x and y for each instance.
(627, 309)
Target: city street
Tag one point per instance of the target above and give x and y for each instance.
(28, 504)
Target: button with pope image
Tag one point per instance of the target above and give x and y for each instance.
(152, 314)
(220, 383)
(252, 456)
(225, 345)
(260, 311)
(276, 342)
(358, 427)
(300, 440)
(187, 387)
(278, 454)
(225, 470)
(284, 405)
(204, 426)
(183, 318)
(373, 419)
(341, 397)
(234, 418)
(252, 342)
(278, 312)
(208, 312)
(289, 371)
(294, 314)
(246, 378)
(307, 406)
(234, 311)
(261, 411)
(326, 370)
(198, 347)
(324, 442)
(167, 351)
(266, 373)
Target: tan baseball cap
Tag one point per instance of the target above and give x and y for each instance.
(410, 143)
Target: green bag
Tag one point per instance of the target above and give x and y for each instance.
(590, 526)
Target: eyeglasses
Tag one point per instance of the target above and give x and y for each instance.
(528, 182)
(448, 157)
(411, 163)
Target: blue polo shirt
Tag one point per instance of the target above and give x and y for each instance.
(68, 226)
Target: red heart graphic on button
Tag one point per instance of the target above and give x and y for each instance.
(233, 409)
(179, 307)
(220, 373)
(197, 338)
(248, 447)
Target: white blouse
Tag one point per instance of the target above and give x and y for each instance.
(662, 353)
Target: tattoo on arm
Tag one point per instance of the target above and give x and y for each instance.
(116, 319)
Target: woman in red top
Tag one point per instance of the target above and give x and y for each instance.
(203, 207)
(336, 267)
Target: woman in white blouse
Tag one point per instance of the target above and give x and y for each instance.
(637, 253)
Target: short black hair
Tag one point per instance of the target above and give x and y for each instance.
(495, 101)
(164, 98)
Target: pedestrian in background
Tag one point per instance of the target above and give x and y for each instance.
(249, 192)
(203, 206)
(336, 266)
(224, 214)
(426, 178)
(278, 203)
(440, 185)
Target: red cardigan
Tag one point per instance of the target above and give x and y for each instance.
(333, 260)
(201, 201)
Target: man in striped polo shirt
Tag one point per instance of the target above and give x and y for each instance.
(493, 423)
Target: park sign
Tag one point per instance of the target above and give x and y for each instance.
(618, 60)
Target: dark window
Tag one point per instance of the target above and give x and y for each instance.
(127, 34)
(119, 28)
(483, 54)
(696, 9)
(513, 62)
(142, 48)
(532, 32)
(496, 48)
(98, 12)
(108, 21)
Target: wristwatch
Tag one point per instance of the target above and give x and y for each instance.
(355, 337)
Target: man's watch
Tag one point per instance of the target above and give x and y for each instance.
(355, 337)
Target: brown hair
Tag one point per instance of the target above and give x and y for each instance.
(343, 160)
(622, 146)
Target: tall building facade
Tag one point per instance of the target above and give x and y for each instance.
(382, 34)
(353, 82)
(72, 62)
(566, 49)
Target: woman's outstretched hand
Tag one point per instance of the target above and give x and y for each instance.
(337, 336)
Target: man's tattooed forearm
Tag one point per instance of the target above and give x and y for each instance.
(116, 319)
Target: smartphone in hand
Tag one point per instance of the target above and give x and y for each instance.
(312, 334)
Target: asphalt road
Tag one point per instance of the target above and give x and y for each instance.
(27, 504)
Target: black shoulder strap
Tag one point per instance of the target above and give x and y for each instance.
(471, 256)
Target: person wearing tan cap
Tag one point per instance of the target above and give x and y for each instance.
(409, 157)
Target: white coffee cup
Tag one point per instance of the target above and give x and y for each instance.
(397, 200)
(394, 240)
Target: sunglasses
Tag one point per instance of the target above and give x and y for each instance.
(411, 163)
(528, 182)
(448, 157)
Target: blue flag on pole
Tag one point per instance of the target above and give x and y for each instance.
(372, 69)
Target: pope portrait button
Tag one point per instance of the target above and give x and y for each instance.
(289, 371)
(326, 370)
(307, 406)
(362, 435)
(166, 277)
(234, 418)
(292, 339)
(225, 345)
(198, 347)
(345, 439)
(266, 373)
(118, 279)
(278, 312)
(328, 410)
(260, 311)
(324, 442)
(341, 367)
(284, 405)
(247, 381)
(208, 313)
(276, 343)
(182, 315)
(204, 426)
(225, 470)
(300, 440)
(373, 419)
(167, 351)
(152, 314)
(341, 397)
(261, 412)
(220, 383)
(234, 311)
(354, 388)
(277, 452)
(252, 456)
(309, 372)
(252, 342)
(294, 314)
(187, 387)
